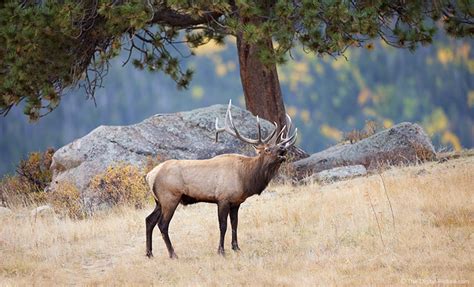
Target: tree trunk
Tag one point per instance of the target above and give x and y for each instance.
(260, 82)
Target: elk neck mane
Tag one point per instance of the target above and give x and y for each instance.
(258, 173)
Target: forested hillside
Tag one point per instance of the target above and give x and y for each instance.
(327, 96)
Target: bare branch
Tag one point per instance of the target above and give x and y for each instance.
(167, 16)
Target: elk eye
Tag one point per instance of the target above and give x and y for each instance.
(267, 149)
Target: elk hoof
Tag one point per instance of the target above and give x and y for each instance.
(236, 248)
(173, 256)
(149, 254)
(221, 251)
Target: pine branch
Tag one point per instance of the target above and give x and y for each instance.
(168, 16)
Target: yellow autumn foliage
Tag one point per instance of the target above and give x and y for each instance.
(436, 122)
(231, 66)
(197, 92)
(331, 132)
(319, 69)
(429, 61)
(66, 200)
(14, 192)
(358, 77)
(339, 64)
(470, 99)
(445, 56)
(463, 51)
(299, 75)
(291, 110)
(387, 123)
(470, 66)
(28, 185)
(221, 70)
(121, 185)
(209, 48)
(459, 54)
(364, 96)
(369, 112)
(305, 116)
(449, 138)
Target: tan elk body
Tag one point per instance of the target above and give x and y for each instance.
(227, 180)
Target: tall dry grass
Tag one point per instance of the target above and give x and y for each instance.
(341, 233)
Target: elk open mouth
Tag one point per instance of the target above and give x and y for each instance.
(282, 155)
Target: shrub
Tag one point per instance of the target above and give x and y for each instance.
(35, 170)
(14, 191)
(66, 200)
(287, 171)
(27, 187)
(370, 128)
(120, 185)
(422, 153)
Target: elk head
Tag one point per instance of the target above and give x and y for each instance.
(272, 149)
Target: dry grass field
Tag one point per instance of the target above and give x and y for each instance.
(342, 233)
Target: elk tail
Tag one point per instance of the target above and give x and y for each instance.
(154, 195)
(150, 182)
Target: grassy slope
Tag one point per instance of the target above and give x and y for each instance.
(289, 236)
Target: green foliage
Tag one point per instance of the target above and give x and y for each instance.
(47, 47)
(33, 51)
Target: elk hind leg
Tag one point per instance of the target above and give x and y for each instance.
(167, 211)
(151, 221)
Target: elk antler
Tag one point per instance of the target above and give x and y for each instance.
(234, 132)
(287, 140)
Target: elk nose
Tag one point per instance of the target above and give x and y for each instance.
(282, 150)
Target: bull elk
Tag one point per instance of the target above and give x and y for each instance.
(227, 180)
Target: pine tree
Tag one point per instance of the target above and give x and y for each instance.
(49, 47)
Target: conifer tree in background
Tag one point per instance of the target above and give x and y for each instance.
(49, 47)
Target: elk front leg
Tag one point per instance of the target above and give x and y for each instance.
(234, 219)
(223, 212)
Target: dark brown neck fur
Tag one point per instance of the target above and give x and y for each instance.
(259, 173)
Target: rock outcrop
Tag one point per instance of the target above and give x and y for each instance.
(403, 143)
(337, 174)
